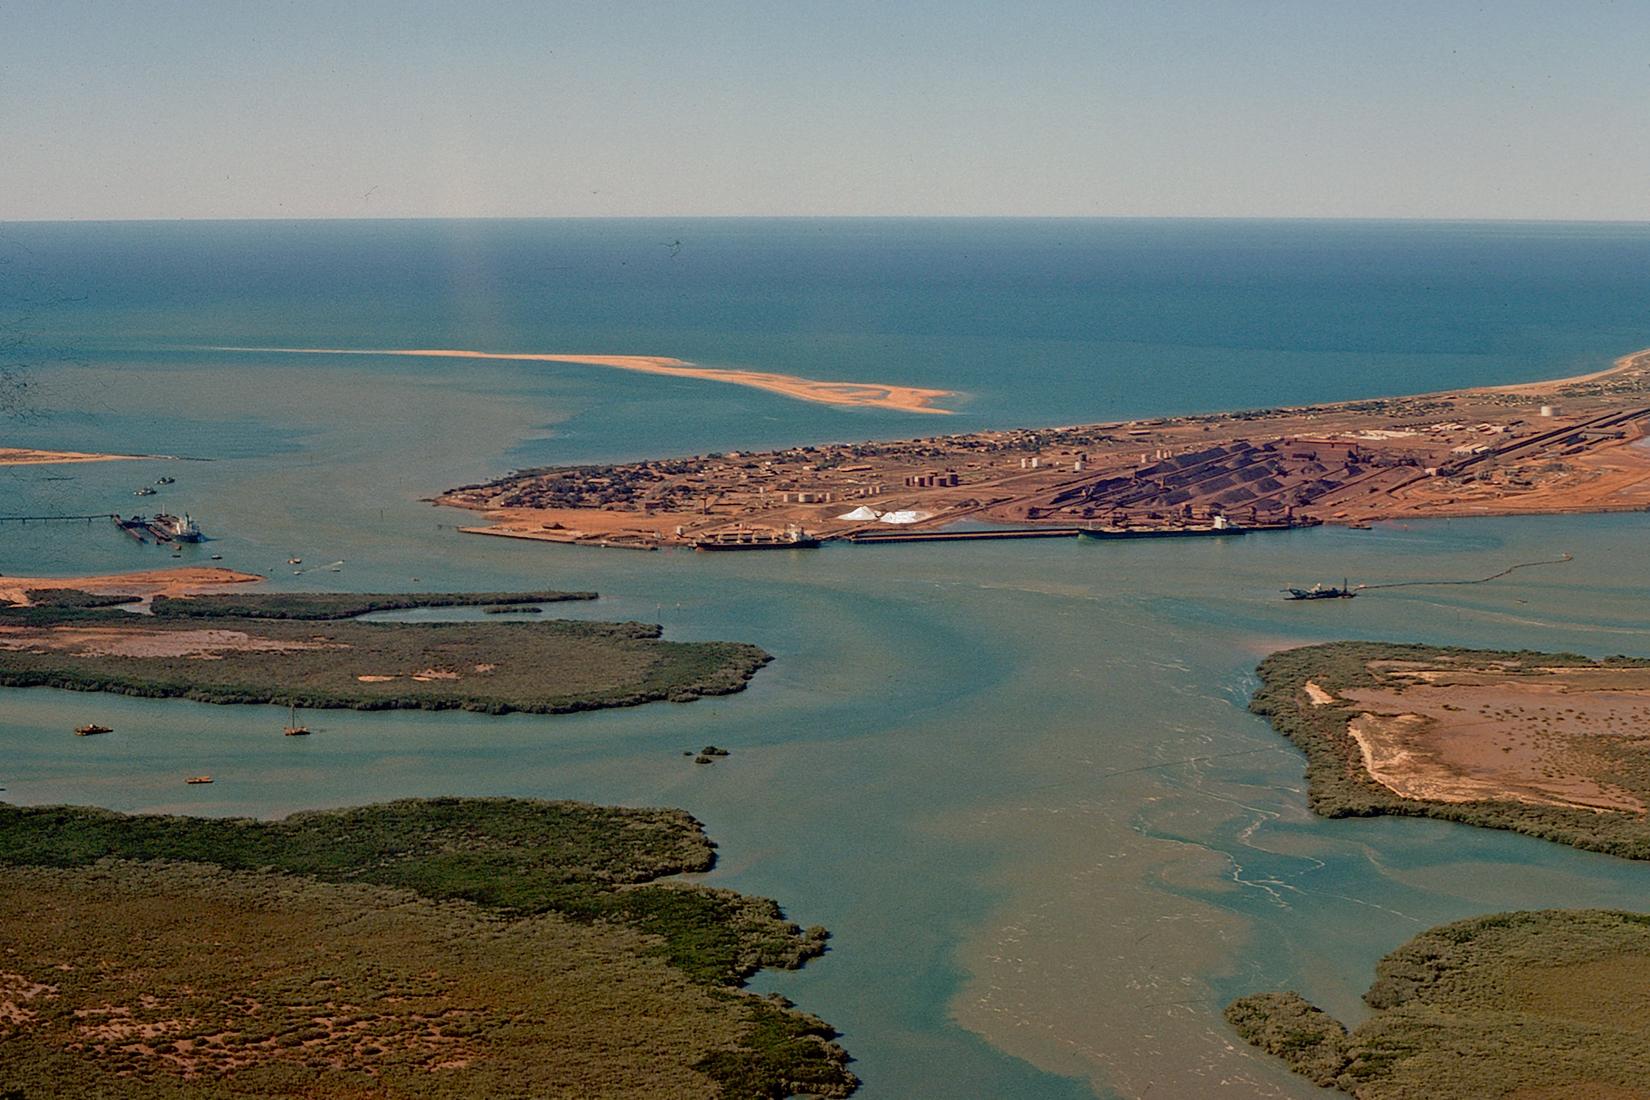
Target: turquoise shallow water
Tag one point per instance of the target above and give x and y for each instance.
(1016, 780)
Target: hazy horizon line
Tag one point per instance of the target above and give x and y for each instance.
(1435, 220)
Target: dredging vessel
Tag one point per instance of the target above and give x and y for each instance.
(1321, 592)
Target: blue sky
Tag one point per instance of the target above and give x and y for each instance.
(1244, 108)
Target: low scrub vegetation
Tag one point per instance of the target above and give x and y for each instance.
(302, 651)
(1529, 1005)
(427, 948)
(339, 605)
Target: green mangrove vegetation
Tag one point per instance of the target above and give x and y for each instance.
(304, 650)
(75, 598)
(1530, 1005)
(423, 948)
(339, 605)
(1565, 744)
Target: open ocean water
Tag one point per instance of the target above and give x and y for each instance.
(1017, 781)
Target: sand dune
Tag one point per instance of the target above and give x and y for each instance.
(856, 394)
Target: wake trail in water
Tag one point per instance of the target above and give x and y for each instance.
(1480, 580)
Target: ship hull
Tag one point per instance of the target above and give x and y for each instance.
(791, 544)
(1159, 533)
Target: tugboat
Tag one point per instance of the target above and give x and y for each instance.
(1321, 592)
(143, 492)
(198, 779)
(90, 728)
(165, 480)
(292, 728)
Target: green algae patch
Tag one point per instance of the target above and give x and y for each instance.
(1550, 745)
(439, 948)
(308, 650)
(1526, 1005)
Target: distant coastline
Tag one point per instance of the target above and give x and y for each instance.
(1571, 444)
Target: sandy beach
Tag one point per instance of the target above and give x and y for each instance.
(188, 580)
(852, 394)
(1635, 363)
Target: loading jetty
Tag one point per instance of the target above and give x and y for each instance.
(869, 538)
(25, 520)
(161, 527)
(1101, 533)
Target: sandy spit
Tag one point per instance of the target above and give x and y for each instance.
(856, 394)
(28, 456)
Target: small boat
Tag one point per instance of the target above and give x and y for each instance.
(217, 557)
(198, 779)
(295, 561)
(292, 728)
(143, 492)
(90, 728)
(165, 480)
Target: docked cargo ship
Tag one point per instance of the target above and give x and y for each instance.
(1160, 532)
(792, 538)
(180, 528)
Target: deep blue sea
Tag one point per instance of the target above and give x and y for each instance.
(1018, 782)
(1034, 321)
